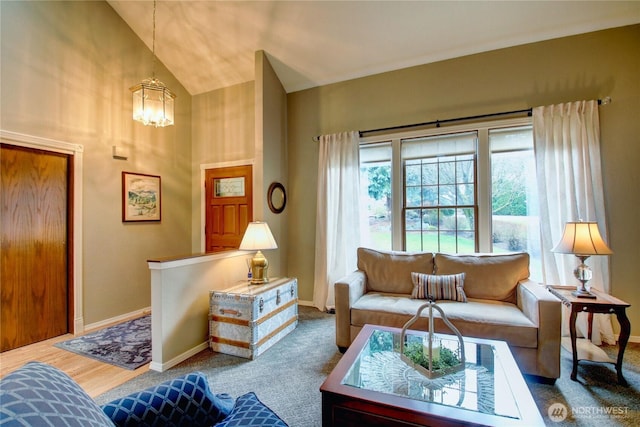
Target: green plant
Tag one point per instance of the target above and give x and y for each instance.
(415, 352)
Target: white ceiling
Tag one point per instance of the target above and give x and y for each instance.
(211, 44)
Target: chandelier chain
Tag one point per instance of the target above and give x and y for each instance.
(153, 45)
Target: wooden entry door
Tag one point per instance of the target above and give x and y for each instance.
(34, 282)
(229, 206)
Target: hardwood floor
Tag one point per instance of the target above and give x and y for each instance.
(93, 376)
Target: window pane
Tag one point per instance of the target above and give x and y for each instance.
(448, 243)
(412, 219)
(447, 220)
(447, 186)
(429, 173)
(514, 200)
(447, 172)
(413, 173)
(466, 219)
(430, 219)
(447, 195)
(429, 196)
(466, 242)
(430, 241)
(465, 194)
(412, 198)
(375, 179)
(412, 241)
(465, 171)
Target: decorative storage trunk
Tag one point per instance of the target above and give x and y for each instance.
(246, 320)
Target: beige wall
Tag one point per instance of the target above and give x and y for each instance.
(66, 72)
(271, 139)
(245, 122)
(223, 131)
(587, 66)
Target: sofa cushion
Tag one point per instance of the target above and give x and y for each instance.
(183, 401)
(38, 394)
(487, 276)
(443, 287)
(476, 318)
(391, 271)
(249, 411)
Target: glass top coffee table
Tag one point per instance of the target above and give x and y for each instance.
(372, 385)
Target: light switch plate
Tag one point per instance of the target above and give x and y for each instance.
(120, 153)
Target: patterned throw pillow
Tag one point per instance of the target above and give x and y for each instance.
(251, 412)
(439, 287)
(183, 401)
(38, 394)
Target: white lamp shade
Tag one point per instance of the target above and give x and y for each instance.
(582, 238)
(258, 237)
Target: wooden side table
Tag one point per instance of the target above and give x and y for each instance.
(603, 303)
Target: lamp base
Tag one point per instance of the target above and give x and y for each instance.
(583, 294)
(583, 274)
(581, 291)
(259, 269)
(259, 282)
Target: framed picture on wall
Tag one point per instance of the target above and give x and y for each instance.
(141, 197)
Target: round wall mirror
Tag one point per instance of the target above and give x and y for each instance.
(276, 197)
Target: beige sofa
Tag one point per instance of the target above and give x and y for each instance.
(501, 302)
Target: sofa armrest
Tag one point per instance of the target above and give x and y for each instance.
(537, 303)
(545, 311)
(183, 401)
(347, 291)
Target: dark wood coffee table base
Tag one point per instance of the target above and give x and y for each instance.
(348, 405)
(344, 411)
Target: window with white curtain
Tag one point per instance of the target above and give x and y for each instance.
(462, 189)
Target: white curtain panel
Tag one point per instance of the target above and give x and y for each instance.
(337, 215)
(567, 150)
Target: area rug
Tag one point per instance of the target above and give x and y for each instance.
(127, 345)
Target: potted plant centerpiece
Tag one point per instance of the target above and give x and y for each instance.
(432, 355)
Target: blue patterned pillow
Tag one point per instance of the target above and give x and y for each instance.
(249, 411)
(184, 401)
(41, 395)
(439, 287)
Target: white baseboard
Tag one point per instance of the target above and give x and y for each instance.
(632, 338)
(117, 319)
(161, 367)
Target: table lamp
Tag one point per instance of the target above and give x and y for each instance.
(582, 239)
(258, 237)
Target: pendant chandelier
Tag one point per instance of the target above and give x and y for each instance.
(152, 100)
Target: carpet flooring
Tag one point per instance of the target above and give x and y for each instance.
(287, 378)
(126, 345)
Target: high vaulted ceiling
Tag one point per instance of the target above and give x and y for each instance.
(210, 44)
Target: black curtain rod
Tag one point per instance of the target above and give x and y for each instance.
(438, 123)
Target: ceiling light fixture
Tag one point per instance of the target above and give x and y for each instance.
(152, 100)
